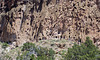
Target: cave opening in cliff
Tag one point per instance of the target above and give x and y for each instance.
(48, 1)
(0, 32)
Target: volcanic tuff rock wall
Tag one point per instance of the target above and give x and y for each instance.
(31, 20)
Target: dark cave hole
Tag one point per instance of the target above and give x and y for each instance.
(95, 40)
(11, 23)
(32, 9)
(0, 31)
(48, 1)
(27, 23)
(79, 39)
(40, 39)
(86, 31)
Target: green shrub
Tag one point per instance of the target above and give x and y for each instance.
(42, 53)
(5, 45)
(85, 51)
(51, 52)
(23, 56)
(7, 57)
(28, 46)
(32, 57)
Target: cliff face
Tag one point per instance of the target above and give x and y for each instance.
(30, 20)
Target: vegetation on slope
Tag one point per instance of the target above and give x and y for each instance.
(32, 52)
(85, 51)
(5, 45)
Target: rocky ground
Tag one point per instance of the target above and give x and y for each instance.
(55, 44)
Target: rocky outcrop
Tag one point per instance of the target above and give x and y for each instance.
(30, 20)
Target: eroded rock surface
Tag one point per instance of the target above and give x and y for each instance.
(30, 20)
